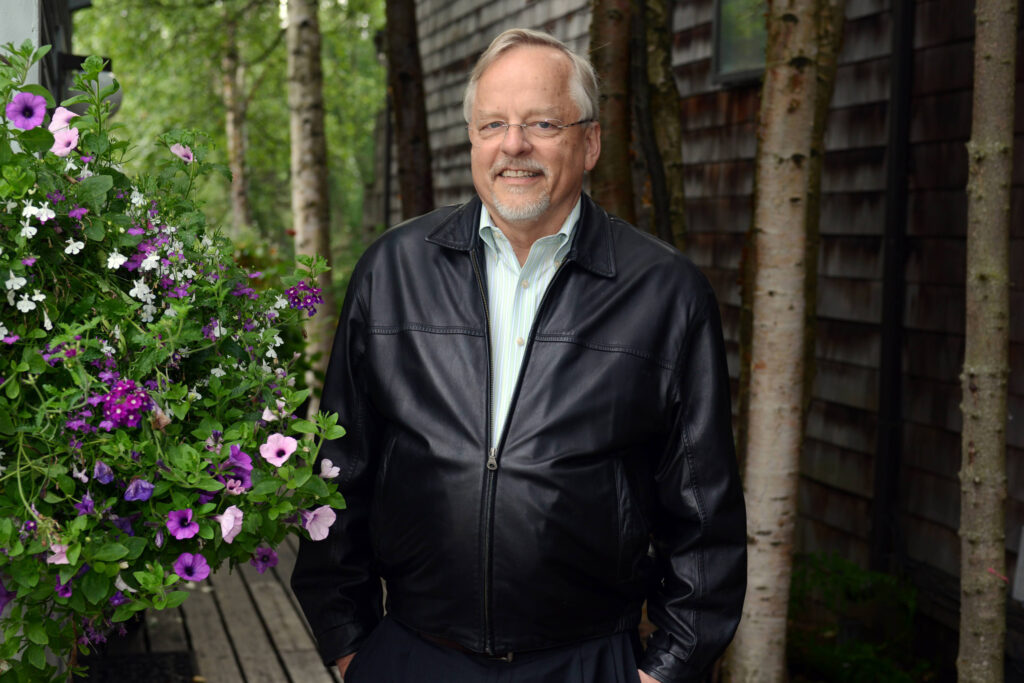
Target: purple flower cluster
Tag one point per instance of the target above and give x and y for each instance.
(304, 296)
(124, 405)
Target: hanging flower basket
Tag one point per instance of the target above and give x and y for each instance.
(147, 433)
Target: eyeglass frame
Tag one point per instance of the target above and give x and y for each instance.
(524, 127)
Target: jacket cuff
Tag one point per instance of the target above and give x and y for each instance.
(667, 668)
(339, 641)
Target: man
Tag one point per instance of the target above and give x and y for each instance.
(539, 437)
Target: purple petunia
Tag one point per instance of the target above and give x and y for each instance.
(263, 559)
(87, 506)
(138, 489)
(5, 596)
(26, 110)
(63, 589)
(118, 599)
(181, 524)
(191, 567)
(102, 473)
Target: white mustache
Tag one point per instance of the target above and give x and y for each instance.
(507, 164)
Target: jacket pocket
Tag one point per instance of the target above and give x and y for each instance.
(632, 528)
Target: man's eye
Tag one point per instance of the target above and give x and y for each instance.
(544, 125)
(494, 125)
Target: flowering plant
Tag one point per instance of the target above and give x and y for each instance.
(146, 399)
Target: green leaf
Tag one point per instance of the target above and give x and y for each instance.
(36, 632)
(136, 544)
(36, 656)
(95, 230)
(304, 427)
(264, 487)
(95, 586)
(25, 573)
(111, 552)
(41, 91)
(77, 99)
(93, 190)
(12, 388)
(176, 598)
(335, 432)
(37, 140)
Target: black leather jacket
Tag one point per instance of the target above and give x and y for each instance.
(615, 481)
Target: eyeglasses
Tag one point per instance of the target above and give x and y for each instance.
(538, 130)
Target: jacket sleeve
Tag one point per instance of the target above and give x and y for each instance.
(699, 525)
(334, 579)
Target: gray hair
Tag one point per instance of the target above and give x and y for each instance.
(582, 80)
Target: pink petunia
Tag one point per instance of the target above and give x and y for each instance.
(278, 449)
(230, 523)
(318, 522)
(328, 470)
(59, 555)
(183, 152)
(61, 119)
(64, 141)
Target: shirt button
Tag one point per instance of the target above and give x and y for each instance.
(520, 341)
(526, 283)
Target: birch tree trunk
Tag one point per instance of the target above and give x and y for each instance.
(405, 81)
(986, 353)
(310, 206)
(611, 181)
(235, 105)
(775, 419)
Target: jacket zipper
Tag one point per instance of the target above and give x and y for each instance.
(494, 451)
(492, 463)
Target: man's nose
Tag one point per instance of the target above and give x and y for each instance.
(515, 141)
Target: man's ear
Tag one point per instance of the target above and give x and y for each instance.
(592, 140)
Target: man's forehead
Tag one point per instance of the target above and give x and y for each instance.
(549, 70)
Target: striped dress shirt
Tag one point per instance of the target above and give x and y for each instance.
(514, 294)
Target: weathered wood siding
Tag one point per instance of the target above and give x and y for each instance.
(718, 150)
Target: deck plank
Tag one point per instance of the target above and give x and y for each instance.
(215, 658)
(166, 630)
(256, 651)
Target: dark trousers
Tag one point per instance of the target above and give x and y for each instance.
(394, 654)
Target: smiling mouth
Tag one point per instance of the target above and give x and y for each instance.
(518, 173)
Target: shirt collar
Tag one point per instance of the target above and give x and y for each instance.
(564, 234)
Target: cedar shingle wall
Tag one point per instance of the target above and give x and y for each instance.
(718, 150)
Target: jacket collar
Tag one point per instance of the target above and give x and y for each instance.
(592, 246)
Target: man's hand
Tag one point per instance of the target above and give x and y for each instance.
(644, 677)
(343, 663)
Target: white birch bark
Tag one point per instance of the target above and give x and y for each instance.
(310, 207)
(775, 421)
(987, 348)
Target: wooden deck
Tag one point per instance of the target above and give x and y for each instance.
(237, 627)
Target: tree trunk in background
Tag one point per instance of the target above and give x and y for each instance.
(611, 184)
(665, 115)
(986, 352)
(779, 300)
(235, 105)
(405, 81)
(310, 206)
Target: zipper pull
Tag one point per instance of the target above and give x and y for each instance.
(492, 461)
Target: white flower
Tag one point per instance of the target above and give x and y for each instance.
(28, 211)
(45, 214)
(27, 231)
(271, 353)
(73, 247)
(38, 296)
(218, 372)
(25, 305)
(280, 302)
(14, 282)
(137, 198)
(276, 341)
(328, 470)
(70, 165)
(147, 313)
(106, 349)
(3, 333)
(150, 262)
(141, 291)
(115, 260)
(193, 396)
(120, 585)
(47, 325)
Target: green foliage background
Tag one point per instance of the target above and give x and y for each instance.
(167, 54)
